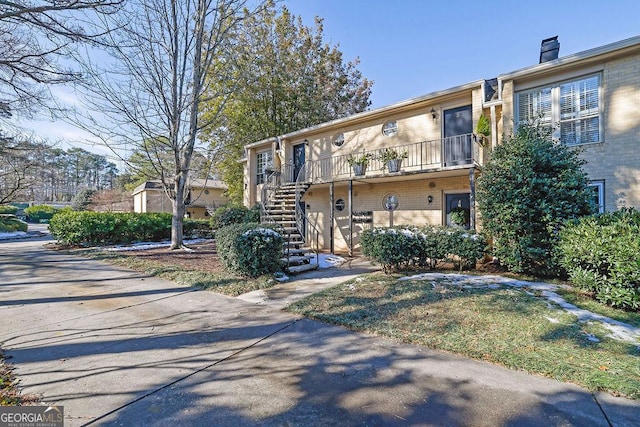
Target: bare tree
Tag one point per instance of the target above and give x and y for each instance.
(151, 85)
(18, 163)
(36, 37)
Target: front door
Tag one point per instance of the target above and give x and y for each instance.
(298, 160)
(458, 126)
(458, 212)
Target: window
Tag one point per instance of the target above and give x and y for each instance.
(571, 109)
(390, 202)
(390, 128)
(598, 194)
(264, 160)
(338, 139)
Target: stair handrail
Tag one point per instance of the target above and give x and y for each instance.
(268, 191)
(301, 180)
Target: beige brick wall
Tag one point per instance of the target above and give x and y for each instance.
(413, 208)
(617, 159)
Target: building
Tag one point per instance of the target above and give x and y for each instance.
(203, 196)
(590, 99)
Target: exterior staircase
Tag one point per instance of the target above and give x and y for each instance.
(280, 209)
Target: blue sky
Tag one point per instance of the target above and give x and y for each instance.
(413, 47)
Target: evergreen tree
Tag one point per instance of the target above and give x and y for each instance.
(528, 188)
(284, 78)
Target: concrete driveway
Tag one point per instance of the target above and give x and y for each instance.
(117, 348)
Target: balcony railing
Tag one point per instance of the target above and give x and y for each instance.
(422, 156)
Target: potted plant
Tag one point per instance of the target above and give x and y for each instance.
(483, 129)
(359, 162)
(392, 158)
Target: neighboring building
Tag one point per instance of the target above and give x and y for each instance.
(203, 196)
(590, 98)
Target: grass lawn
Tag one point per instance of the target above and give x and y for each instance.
(502, 325)
(200, 269)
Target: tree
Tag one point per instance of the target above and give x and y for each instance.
(18, 162)
(34, 36)
(528, 188)
(285, 78)
(160, 60)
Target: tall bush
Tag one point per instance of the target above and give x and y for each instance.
(529, 187)
(601, 255)
(250, 249)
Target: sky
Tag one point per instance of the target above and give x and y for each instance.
(410, 48)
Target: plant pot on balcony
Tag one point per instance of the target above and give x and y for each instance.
(359, 169)
(394, 165)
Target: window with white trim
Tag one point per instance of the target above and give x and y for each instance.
(264, 160)
(598, 194)
(390, 128)
(571, 109)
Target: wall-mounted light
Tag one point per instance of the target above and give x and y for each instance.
(430, 199)
(434, 114)
(306, 141)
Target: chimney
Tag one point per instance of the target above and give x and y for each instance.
(549, 49)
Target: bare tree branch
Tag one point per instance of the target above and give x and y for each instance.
(146, 94)
(36, 39)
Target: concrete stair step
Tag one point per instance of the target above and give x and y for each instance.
(297, 260)
(296, 269)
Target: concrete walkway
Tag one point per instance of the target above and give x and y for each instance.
(117, 348)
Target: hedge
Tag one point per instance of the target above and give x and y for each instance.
(601, 255)
(250, 249)
(99, 228)
(40, 213)
(8, 209)
(10, 223)
(404, 246)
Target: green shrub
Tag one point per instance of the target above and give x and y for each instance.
(98, 228)
(227, 215)
(197, 228)
(10, 223)
(529, 187)
(253, 214)
(8, 209)
(249, 249)
(601, 255)
(465, 247)
(40, 213)
(403, 246)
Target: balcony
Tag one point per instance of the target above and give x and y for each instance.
(455, 152)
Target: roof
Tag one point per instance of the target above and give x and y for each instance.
(612, 48)
(193, 183)
(633, 42)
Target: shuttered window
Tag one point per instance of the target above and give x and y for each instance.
(571, 109)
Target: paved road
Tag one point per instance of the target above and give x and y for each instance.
(118, 348)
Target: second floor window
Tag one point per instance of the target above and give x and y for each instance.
(264, 160)
(571, 109)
